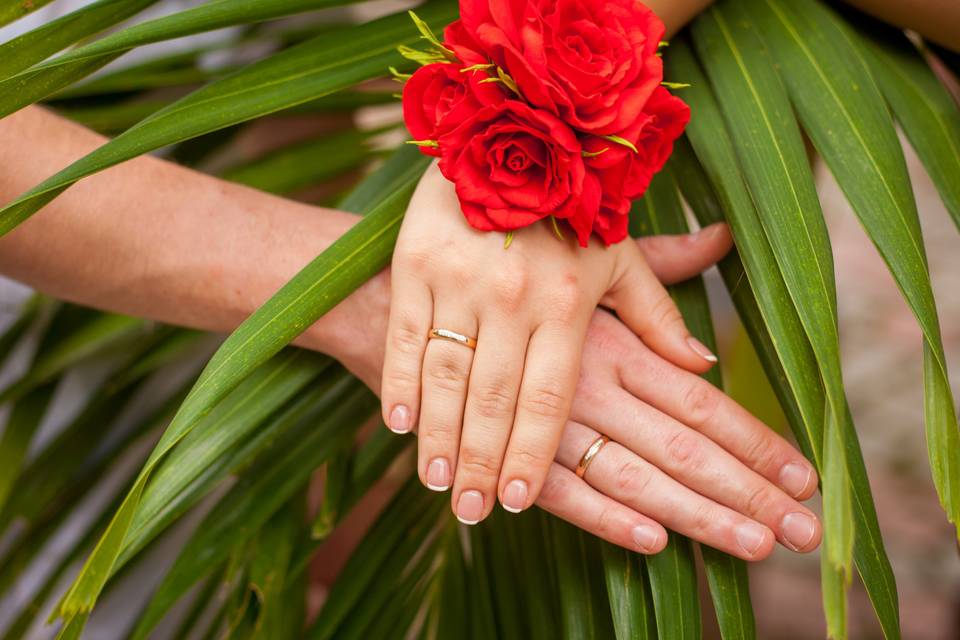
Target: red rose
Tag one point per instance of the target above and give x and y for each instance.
(592, 63)
(514, 165)
(623, 174)
(439, 96)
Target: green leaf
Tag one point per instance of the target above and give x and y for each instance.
(576, 556)
(773, 159)
(315, 68)
(924, 108)
(842, 111)
(628, 588)
(262, 490)
(104, 332)
(38, 44)
(18, 432)
(673, 581)
(305, 163)
(11, 10)
(374, 565)
(766, 309)
(44, 79)
(661, 212)
(220, 433)
(320, 286)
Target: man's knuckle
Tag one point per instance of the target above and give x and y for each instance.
(684, 448)
(760, 451)
(631, 478)
(606, 521)
(759, 500)
(700, 402)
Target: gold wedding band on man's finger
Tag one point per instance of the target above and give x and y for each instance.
(590, 454)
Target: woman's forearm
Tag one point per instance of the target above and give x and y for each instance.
(152, 239)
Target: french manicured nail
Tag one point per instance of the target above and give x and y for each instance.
(400, 419)
(515, 496)
(470, 507)
(438, 474)
(794, 478)
(798, 530)
(749, 537)
(645, 537)
(701, 350)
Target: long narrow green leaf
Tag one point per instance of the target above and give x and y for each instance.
(842, 110)
(776, 331)
(305, 72)
(775, 166)
(104, 332)
(320, 286)
(409, 516)
(270, 437)
(250, 503)
(305, 163)
(15, 332)
(924, 108)
(577, 560)
(18, 432)
(35, 46)
(34, 84)
(869, 554)
(673, 575)
(660, 212)
(11, 10)
(628, 588)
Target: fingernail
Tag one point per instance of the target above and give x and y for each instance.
(438, 474)
(749, 537)
(645, 537)
(470, 507)
(515, 496)
(708, 231)
(798, 530)
(794, 478)
(399, 419)
(701, 350)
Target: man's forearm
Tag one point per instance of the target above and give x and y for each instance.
(152, 239)
(936, 20)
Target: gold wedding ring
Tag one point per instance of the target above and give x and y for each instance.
(590, 454)
(453, 336)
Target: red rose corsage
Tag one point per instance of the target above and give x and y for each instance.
(545, 108)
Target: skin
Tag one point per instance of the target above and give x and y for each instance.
(204, 253)
(490, 420)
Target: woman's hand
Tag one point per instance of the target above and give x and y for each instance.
(490, 421)
(682, 455)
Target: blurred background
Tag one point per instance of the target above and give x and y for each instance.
(882, 370)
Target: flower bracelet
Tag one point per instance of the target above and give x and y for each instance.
(545, 108)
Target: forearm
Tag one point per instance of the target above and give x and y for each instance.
(152, 239)
(937, 20)
(677, 13)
